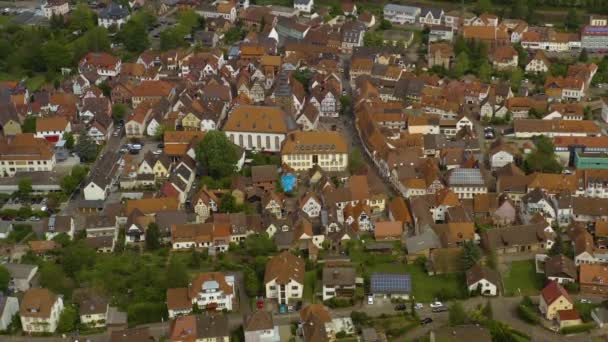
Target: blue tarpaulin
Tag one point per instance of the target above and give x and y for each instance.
(288, 182)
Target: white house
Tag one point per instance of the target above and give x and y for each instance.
(113, 15)
(53, 128)
(303, 5)
(484, 280)
(431, 16)
(399, 14)
(311, 205)
(58, 224)
(9, 307)
(21, 276)
(259, 327)
(93, 311)
(259, 128)
(538, 64)
(284, 278)
(55, 8)
(40, 310)
(338, 282)
(213, 290)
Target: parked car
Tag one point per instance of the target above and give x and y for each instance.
(436, 305)
(260, 303)
(370, 300)
(418, 306)
(157, 152)
(440, 309)
(34, 218)
(585, 301)
(426, 321)
(400, 307)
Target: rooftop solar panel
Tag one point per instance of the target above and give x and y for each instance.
(464, 176)
(391, 283)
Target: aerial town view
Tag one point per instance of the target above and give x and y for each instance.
(303, 170)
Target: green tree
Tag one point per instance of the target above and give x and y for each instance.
(457, 315)
(572, 21)
(462, 65)
(67, 320)
(189, 19)
(228, 204)
(119, 112)
(233, 35)
(56, 55)
(54, 278)
(385, 25)
(558, 245)
(259, 245)
(69, 140)
(5, 277)
(517, 75)
(29, 124)
(522, 55)
(356, 164)
(134, 35)
(86, 148)
(373, 39)
(584, 56)
(483, 6)
(543, 159)
(217, 154)
(82, 18)
(177, 274)
(152, 237)
(485, 72)
(471, 254)
(77, 257)
(25, 187)
(519, 9)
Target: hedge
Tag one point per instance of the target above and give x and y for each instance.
(578, 328)
(525, 313)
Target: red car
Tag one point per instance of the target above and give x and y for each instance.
(260, 304)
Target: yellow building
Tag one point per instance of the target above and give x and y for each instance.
(24, 152)
(303, 150)
(191, 122)
(554, 298)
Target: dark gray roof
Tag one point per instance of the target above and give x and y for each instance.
(436, 12)
(209, 326)
(114, 12)
(339, 276)
(20, 271)
(427, 240)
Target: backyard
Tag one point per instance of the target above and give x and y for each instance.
(522, 279)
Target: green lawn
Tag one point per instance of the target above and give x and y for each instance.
(426, 288)
(522, 279)
(310, 280)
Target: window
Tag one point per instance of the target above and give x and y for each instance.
(294, 288)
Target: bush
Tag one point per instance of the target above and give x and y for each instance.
(339, 302)
(578, 328)
(527, 314)
(147, 312)
(358, 317)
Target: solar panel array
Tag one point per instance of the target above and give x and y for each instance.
(595, 30)
(462, 176)
(391, 283)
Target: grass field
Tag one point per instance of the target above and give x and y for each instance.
(522, 279)
(310, 280)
